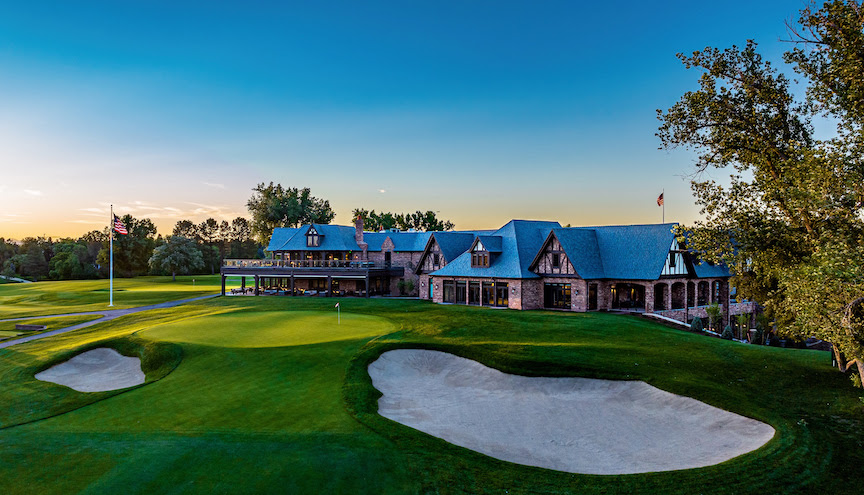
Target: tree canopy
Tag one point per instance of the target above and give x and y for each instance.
(425, 221)
(788, 221)
(177, 255)
(274, 206)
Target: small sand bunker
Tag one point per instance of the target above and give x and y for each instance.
(577, 425)
(97, 370)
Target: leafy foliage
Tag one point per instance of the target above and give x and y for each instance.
(177, 255)
(423, 221)
(789, 222)
(274, 206)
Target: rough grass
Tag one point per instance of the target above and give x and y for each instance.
(7, 328)
(293, 409)
(50, 298)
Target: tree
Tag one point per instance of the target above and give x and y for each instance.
(789, 224)
(273, 206)
(177, 255)
(71, 261)
(132, 252)
(418, 220)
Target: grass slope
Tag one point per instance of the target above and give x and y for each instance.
(271, 396)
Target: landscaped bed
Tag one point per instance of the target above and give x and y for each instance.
(266, 399)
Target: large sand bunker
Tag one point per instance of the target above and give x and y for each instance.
(577, 425)
(97, 370)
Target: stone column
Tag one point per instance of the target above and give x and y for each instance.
(223, 285)
(257, 280)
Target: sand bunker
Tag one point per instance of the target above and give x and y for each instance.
(97, 370)
(577, 425)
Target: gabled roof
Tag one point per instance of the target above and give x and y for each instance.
(452, 244)
(520, 241)
(280, 236)
(582, 251)
(634, 252)
(333, 238)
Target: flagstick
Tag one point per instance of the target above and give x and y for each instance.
(111, 269)
(338, 315)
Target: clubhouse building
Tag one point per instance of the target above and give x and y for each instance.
(525, 264)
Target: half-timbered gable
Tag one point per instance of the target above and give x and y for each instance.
(676, 262)
(431, 259)
(553, 260)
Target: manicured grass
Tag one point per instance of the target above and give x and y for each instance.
(271, 396)
(47, 298)
(8, 331)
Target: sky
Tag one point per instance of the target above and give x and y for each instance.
(482, 111)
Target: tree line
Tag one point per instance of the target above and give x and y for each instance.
(87, 257)
(191, 248)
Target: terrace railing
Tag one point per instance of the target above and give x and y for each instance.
(299, 264)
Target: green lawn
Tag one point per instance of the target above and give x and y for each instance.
(47, 298)
(8, 331)
(252, 395)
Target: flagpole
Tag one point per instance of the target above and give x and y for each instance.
(663, 193)
(111, 269)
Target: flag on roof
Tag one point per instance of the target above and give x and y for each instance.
(119, 227)
(660, 200)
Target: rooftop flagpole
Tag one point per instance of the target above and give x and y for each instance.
(111, 256)
(663, 194)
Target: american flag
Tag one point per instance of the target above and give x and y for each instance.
(119, 227)
(660, 200)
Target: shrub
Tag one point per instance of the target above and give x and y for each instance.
(714, 315)
(696, 325)
(727, 333)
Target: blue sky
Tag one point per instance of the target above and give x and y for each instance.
(483, 111)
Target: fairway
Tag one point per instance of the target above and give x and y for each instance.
(270, 394)
(271, 328)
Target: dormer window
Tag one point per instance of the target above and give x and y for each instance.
(479, 256)
(312, 238)
(480, 259)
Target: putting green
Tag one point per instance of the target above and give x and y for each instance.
(271, 328)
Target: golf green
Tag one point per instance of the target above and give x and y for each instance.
(271, 328)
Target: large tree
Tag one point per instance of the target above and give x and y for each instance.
(177, 255)
(274, 206)
(788, 221)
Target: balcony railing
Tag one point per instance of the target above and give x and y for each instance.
(300, 264)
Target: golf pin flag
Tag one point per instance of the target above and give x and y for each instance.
(660, 200)
(119, 227)
(337, 305)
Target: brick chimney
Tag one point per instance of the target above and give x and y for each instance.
(358, 236)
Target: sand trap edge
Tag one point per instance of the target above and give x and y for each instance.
(97, 370)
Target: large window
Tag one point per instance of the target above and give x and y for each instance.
(474, 293)
(488, 294)
(449, 291)
(556, 296)
(461, 291)
(501, 294)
